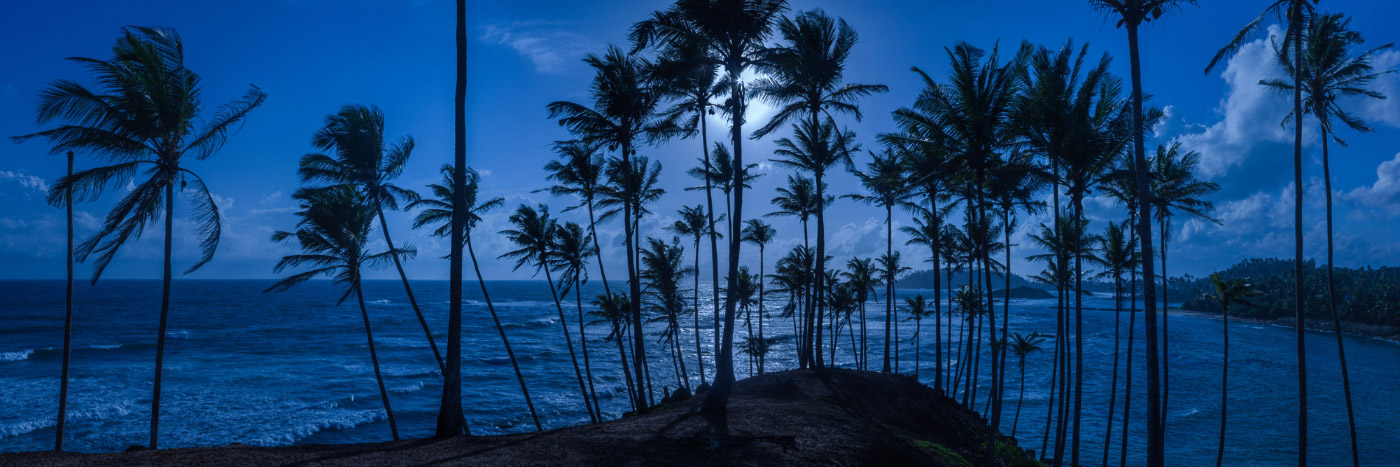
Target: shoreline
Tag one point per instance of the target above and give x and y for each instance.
(1349, 328)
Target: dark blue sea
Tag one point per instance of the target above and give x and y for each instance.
(289, 368)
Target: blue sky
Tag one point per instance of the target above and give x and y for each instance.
(313, 56)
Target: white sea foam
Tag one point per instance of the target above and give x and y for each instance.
(16, 356)
(384, 301)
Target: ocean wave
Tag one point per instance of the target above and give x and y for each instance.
(505, 360)
(178, 335)
(100, 412)
(383, 301)
(16, 356)
(415, 387)
(335, 420)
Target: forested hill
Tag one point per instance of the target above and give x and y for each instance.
(1369, 295)
(924, 280)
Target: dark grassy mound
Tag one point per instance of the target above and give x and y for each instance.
(836, 417)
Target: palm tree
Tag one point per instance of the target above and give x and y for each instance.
(1130, 15)
(799, 199)
(1175, 189)
(1118, 255)
(1297, 13)
(571, 254)
(359, 158)
(67, 314)
(794, 278)
(614, 310)
(917, 308)
(732, 34)
(925, 232)
(1022, 345)
(693, 223)
(577, 173)
(719, 171)
(760, 234)
(745, 297)
(624, 114)
(888, 184)
(534, 234)
(890, 267)
(1327, 72)
(663, 270)
(450, 419)
(438, 210)
(860, 276)
(1121, 185)
(120, 124)
(1014, 184)
(333, 231)
(816, 149)
(1227, 292)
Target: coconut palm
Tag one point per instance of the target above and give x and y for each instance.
(438, 210)
(719, 171)
(926, 157)
(885, 179)
(860, 276)
(625, 114)
(450, 419)
(1117, 250)
(1022, 345)
(359, 157)
(1131, 14)
(890, 267)
(815, 149)
(794, 277)
(926, 232)
(333, 231)
(577, 173)
(1227, 292)
(799, 199)
(615, 311)
(1013, 187)
(1326, 73)
(1297, 14)
(663, 270)
(67, 202)
(744, 295)
(732, 34)
(533, 235)
(120, 123)
(572, 250)
(760, 234)
(1175, 189)
(917, 308)
(693, 222)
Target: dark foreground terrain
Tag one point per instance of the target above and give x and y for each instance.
(836, 417)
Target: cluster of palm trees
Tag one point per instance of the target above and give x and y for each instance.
(1003, 137)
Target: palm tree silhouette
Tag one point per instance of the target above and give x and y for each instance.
(719, 172)
(1297, 13)
(614, 310)
(860, 276)
(1227, 292)
(799, 199)
(1131, 14)
(1117, 251)
(572, 250)
(663, 270)
(1327, 72)
(693, 222)
(761, 234)
(438, 210)
(333, 230)
(67, 313)
(533, 235)
(359, 158)
(120, 124)
(884, 177)
(624, 115)
(1014, 184)
(917, 308)
(1022, 345)
(451, 420)
(926, 232)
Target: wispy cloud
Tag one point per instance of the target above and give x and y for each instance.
(25, 180)
(550, 46)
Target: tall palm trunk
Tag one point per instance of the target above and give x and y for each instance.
(603, 274)
(889, 284)
(502, 331)
(1295, 25)
(164, 312)
(1021, 398)
(374, 356)
(1155, 447)
(1079, 323)
(634, 289)
(803, 358)
(1162, 228)
(818, 276)
(764, 353)
(714, 245)
(450, 419)
(716, 402)
(699, 356)
(583, 341)
(1332, 302)
(67, 316)
(569, 341)
(1113, 385)
(1224, 380)
(937, 294)
(398, 265)
(1128, 372)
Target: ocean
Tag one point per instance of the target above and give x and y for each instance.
(290, 368)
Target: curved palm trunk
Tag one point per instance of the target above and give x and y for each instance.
(1224, 381)
(164, 312)
(1021, 398)
(1128, 372)
(607, 289)
(621, 336)
(374, 356)
(699, 356)
(889, 286)
(1332, 303)
(398, 265)
(803, 358)
(1155, 447)
(569, 341)
(1113, 386)
(634, 289)
(515, 365)
(68, 316)
(450, 419)
(583, 340)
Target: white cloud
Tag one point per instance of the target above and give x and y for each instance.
(25, 180)
(1384, 194)
(548, 45)
(1386, 111)
(269, 198)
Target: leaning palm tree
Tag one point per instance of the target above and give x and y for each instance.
(67, 201)
(732, 35)
(438, 210)
(1328, 72)
(663, 270)
(1297, 13)
(1227, 292)
(360, 158)
(719, 171)
(694, 223)
(624, 114)
(760, 234)
(143, 117)
(925, 231)
(1117, 250)
(572, 250)
(533, 236)
(577, 173)
(884, 177)
(613, 310)
(1022, 345)
(1131, 14)
(333, 232)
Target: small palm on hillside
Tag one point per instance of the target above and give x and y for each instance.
(1022, 345)
(1227, 292)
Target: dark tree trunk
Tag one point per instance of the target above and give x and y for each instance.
(450, 420)
(819, 275)
(164, 312)
(68, 315)
(373, 356)
(1021, 398)
(398, 265)
(1224, 380)
(715, 407)
(699, 356)
(505, 341)
(1155, 448)
(569, 341)
(634, 290)
(1079, 322)
(1113, 386)
(764, 343)
(1332, 303)
(889, 286)
(583, 341)
(1299, 296)
(1128, 372)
